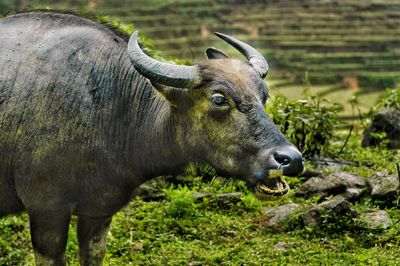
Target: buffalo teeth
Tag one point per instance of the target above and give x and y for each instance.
(282, 189)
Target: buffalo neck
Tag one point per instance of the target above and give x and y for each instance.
(152, 132)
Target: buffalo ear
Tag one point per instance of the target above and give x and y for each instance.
(213, 53)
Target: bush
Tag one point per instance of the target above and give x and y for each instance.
(128, 28)
(308, 124)
(181, 203)
(390, 100)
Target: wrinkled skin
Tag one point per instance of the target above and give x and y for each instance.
(80, 128)
(235, 135)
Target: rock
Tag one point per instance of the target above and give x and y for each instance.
(333, 210)
(228, 198)
(377, 220)
(199, 196)
(280, 246)
(383, 185)
(221, 199)
(276, 217)
(387, 121)
(149, 192)
(351, 186)
(353, 193)
(326, 163)
(319, 185)
(137, 246)
(307, 173)
(196, 263)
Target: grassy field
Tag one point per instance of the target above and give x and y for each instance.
(286, 31)
(329, 43)
(331, 40)
(181, 231)
(335, 93)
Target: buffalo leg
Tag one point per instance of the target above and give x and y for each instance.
(92, 237)
(49, 233)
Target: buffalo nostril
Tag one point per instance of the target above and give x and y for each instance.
(285, 161)
(289, 159)
(282, 159)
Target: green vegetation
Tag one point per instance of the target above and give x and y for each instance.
(179, 229)
(332, 41)
(351, 46)
(390, 100)
(308, 123)
(286, 31)
(347, 45)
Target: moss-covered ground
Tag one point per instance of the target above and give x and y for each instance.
(179, 230)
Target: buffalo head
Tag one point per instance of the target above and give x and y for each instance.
(219, 112)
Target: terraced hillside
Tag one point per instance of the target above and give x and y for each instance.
(350, 40)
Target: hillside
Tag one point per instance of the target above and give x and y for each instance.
(199, 218)
(337, 45)
(348, 40)
(354, 42)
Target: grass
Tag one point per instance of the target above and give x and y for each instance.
(179, 230)
(362, 30)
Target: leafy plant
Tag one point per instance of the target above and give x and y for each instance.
(128, 28)
(308, 123)
(376, 134)
(390, 100)
(181, 203)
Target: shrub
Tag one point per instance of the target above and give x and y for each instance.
(147, 46)
(180, 203)
(308, 123)
(390, 100)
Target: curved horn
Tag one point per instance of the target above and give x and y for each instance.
(159, 72)
(253, 56)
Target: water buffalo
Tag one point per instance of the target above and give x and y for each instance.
(85, 118)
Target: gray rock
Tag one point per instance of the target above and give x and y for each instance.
(387, 121)
(196, 263)
(349, 185)
(383, 185)
(332, 210)
(318, 185)
(149, 192)
(199, 196)
(229, 196)
(276, 217)
(326, 163)
(377, 220)
(280, 246)
(222, 199)
(307, 173)
(353, 193)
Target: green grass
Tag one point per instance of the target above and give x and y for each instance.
(289, 32)
(178, 230)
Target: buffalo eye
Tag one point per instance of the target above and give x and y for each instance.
(218, 99)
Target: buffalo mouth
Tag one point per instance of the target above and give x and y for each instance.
(273, 186)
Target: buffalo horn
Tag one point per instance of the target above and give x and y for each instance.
(253, 56)
(158, 72)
